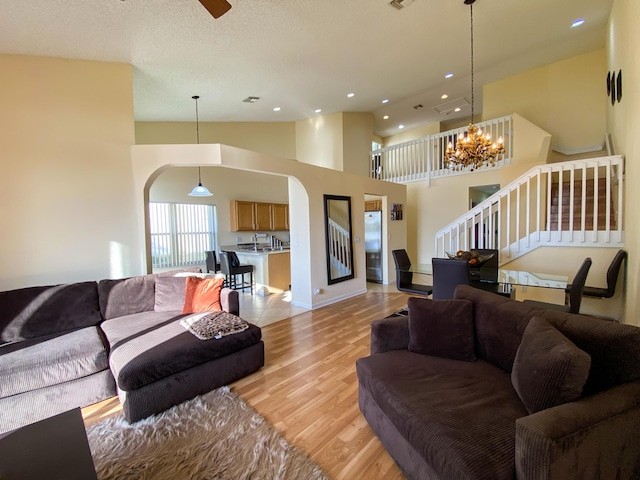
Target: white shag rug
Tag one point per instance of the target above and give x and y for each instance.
(214, 436)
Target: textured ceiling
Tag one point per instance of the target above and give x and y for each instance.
(301, 55)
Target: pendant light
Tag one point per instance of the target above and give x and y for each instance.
(199, 190)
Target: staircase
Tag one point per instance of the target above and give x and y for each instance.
(563, 205)
(534, 211)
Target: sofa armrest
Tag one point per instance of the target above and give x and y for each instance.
(595, 437)
(391, 333)
(230, 301)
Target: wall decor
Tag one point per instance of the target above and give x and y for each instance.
(396, 211)
(619, 86)
(614, 86)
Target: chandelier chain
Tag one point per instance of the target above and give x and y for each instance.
(472, 90)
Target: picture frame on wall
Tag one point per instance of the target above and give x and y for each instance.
(396, 211)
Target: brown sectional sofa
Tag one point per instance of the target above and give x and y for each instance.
(68, 346)
(479, 412)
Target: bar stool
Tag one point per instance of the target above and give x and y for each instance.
(231, 267)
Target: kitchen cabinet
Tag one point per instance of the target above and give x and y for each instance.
(373, 205)
(264, 220)
(258, 216)
(280, 216)
(243, 217)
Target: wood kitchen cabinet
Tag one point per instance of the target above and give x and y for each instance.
(258, 216)
(373, 205)
(264, 218)
(243, 217)
(280, 216)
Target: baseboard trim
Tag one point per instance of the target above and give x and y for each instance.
(328, 302)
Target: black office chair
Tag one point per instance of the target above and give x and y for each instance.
(447, 275)
(231, 267)
(212, 262)
(404, 278)
(575, 292)
(612, 279)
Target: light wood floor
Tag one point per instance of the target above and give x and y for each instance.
(308, 387)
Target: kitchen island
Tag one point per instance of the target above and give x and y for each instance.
(271, 266)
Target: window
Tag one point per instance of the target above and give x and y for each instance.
(181, 233)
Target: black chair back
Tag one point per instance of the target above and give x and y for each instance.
(212, 262)
(488, 272)
(447, 275)
(613, 271)
(577, 286)
(401, 259)
(225, 267)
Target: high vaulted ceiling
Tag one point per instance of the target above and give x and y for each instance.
(303, 55)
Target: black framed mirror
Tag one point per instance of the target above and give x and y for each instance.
(337, 227)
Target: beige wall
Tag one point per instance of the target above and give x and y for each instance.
(357, 136)
(272, 138)
(66, 188)
(319, 141)
(566, 98)
(424, 131)
(340, 141)
(226, 184)
(623, 122)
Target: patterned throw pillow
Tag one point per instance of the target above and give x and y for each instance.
(202, 295)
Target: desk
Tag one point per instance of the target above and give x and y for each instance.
(506, 279)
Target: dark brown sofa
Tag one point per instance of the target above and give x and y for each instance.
(56, 349)
(479, 412)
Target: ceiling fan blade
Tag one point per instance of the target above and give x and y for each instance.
(217, 8)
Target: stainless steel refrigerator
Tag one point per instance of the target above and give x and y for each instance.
(373, 245)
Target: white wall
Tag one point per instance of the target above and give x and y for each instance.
(66, 189)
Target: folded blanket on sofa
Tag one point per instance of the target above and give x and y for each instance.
(210, 325)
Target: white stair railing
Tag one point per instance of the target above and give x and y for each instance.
(424, 158)
(568, 203)
(339, 248)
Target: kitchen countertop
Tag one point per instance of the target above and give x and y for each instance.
(262, 250)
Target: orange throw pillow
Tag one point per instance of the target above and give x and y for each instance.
(202, 295)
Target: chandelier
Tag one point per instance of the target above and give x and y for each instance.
(475, 149)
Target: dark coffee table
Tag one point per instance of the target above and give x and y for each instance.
(54, 448)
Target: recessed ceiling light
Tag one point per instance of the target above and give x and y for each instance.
(444, 96)
(276, 109)
(457, 109)
(448, 75)
(385, 100)
(351, 95)
(577, 22)
(386, 117)
(318, 110)
(400, 126)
